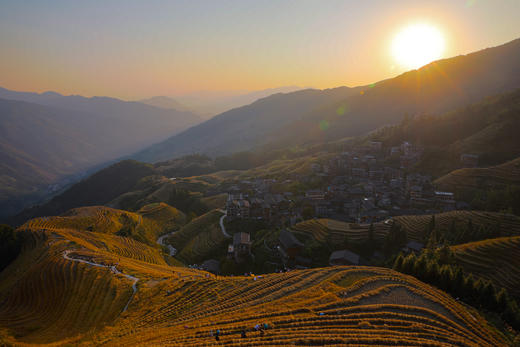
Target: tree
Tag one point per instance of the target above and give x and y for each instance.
(487, 295)
(469, 286)
(445, 254)
(420, 267)
(446, 277)
(501, 300)
(371, 233)
(409, 263)
(458, 282)
(398, 263)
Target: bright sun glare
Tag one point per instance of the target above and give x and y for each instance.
(417, 45)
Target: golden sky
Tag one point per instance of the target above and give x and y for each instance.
(137, 49)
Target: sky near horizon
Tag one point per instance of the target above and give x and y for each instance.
(136, 49)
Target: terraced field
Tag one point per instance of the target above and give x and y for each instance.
(481, 178)
(197, 240)
(145, 226)
(334, 232)
(340, 305)
(323, 230)
(497, 260)
(64, 290)
(415, 225)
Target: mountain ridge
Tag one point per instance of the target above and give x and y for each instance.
(435, 88)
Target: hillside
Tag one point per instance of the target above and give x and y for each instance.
(486, 128)
(286, 119)
(492, 188)
(48, 138)
(179, 306)
(242, 128)
(494, 259)
(144, 226)
(449, 222)
(98, 189)
(127, 185)
(200, 239)
(482, 178)
(338, 233)
(166, 103)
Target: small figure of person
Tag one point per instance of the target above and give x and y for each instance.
(243, 335)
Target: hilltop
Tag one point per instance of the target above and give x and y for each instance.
(172, 305)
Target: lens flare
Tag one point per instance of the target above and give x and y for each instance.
(324, 125)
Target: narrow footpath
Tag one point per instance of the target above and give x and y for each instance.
(222, 224)
(171, 249)
(114, 271)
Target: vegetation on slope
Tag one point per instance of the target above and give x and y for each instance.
(487, 128)
(97, 189)
(145, 226)
(322, 236)
(493, 188)
(439, 267)
(339, 305)
(460, 226)
(200, 239)
(10, 245)
(497, 260)
(47, 298)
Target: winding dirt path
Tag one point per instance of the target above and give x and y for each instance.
(112, 268)
(221, 222)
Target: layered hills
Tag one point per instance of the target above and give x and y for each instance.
(49, 137)
(311, 116)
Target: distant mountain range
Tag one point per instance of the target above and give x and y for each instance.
(167, 103)
(46, 137)
(211, 103)
(312, 116)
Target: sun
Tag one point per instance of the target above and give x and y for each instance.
(417, 45)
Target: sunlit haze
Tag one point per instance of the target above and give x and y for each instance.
(138, 49)
(417, 45)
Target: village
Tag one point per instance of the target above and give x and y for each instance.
(366, 185)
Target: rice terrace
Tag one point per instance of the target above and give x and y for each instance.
(260, 173)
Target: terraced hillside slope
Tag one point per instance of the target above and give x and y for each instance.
(482, 178)
(72, 287)
(145, 226)
(497, 260)
(501, 223)
(335, 232)
(68, 283)
(493, 188)
(200, 239)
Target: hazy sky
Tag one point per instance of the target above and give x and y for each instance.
(134, 49)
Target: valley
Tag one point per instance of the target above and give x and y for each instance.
(165, 180)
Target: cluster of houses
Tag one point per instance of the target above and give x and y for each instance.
(272, 208)
(360, 186)
(367, 184)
